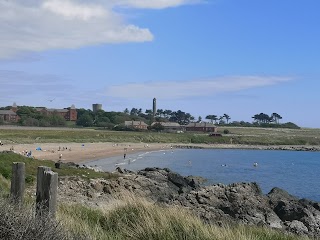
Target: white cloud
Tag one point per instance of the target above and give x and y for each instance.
(72, 10)
(180, 90)
(157, 4)
(32, 26)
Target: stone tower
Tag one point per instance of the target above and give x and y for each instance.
(154, 109)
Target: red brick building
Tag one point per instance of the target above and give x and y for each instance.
(69, 114)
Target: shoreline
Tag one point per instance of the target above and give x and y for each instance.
(87, 152)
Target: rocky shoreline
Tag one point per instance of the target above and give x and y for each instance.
(238, 203)
(251, 147)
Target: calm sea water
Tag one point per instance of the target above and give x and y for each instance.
(296, 172)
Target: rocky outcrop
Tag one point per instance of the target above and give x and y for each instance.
(235, 203)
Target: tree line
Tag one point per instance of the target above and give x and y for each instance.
(29, 116)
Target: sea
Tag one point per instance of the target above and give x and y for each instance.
(296, 172)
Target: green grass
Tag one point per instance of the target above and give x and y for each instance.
(240, 135)
(7, 158)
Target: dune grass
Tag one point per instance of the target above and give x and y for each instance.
(138, 219)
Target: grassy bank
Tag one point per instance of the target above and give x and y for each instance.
(239, 135)
(7, 158)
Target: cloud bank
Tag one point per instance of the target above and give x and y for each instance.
(56, 24)
(197, 88)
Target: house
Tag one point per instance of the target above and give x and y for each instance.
(136, 125)
(8, 116)
(201, 127)
(170, 126)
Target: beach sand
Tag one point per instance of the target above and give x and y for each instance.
(78, 152)
(85, 152)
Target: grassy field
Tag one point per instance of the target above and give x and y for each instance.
(239, 135)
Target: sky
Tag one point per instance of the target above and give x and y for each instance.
(204, 57)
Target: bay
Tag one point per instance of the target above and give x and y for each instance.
(295, 172)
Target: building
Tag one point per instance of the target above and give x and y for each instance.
(170, 126)
(96, 107)
(136, 125)
(201, 127)
(69, 114)
(8, 116)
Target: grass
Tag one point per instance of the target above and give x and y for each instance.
(7, 158)
(137, 219)
(239, 135)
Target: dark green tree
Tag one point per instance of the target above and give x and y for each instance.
(227, 117)
(85, 120)
(212, 118)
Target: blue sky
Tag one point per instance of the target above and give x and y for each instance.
(239, 57)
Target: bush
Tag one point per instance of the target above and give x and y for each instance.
(226, 131)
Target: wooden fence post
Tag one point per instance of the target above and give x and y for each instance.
(47, 188)
(17, 182)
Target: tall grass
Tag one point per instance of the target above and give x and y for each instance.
(138, 219)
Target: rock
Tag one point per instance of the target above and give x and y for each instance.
(235, 203)
(297, 227)
(119, 170)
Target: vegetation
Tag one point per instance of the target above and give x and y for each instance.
(130, 218)
(7, 158)
(140, 220)
(239, 135)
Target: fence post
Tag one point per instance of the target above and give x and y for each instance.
(47, 187)
(17, 182)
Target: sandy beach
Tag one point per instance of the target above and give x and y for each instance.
(85, 152)
(78, 152)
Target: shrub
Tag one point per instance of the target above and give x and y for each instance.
(226, 131)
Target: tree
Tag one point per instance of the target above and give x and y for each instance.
(227, 117)
(212, 118)
(85, 120)
(181, 117)
(160, 112)
(167, 113)
(126, 111)
(275, 117)
(262, 118)
(134, 112)
(158, 127)
(199, 119)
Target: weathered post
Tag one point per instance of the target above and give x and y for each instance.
(47, 187)
(18, 182)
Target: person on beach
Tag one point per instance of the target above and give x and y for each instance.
(60, 156)
(124, 156)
